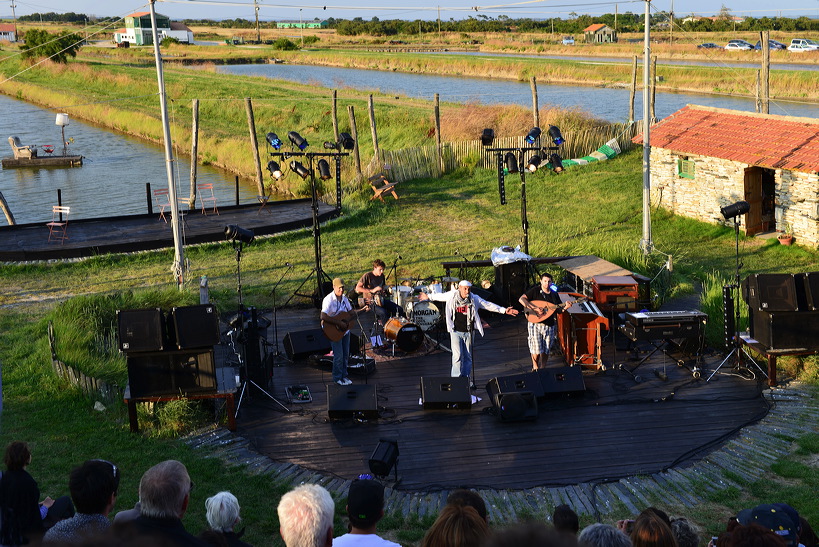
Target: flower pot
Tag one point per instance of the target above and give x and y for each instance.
(786, 239)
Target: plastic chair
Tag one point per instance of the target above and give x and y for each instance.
(58, 227)
(163, 201)
(206, 194)
(20, 150)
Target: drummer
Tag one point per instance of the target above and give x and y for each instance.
(373, 289)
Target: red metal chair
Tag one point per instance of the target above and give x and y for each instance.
(163, 201)
(206, 195)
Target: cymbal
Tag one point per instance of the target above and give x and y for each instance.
(449, 280)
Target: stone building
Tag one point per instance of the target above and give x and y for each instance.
(704, 158)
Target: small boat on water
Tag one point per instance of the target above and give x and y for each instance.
(29, 155)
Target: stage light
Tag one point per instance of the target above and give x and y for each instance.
(384, 458)
(275, 170)
(274, 140)
(324, 170)
(299, 169)
(298, 140)
(511, 162)
(554, 133)
(735, 209)
(488, 137)
(330, 145)
(534, 161)
(557, 163)
(346, 140)
(235, 233)
(533, 135)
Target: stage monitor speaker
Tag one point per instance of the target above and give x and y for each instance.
(512, 280)
(156, 374)
(196, 326)
(511, 401)
(141, 330)
(525, 381)
(771, 292)
(301, 344)
(445, 393)
(810, 282)
(358, 402)
(787, 330)
(562, 381)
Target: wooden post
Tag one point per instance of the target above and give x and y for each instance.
(371, 108)
(766, 72)
(757, 94)
(653, 87)
(354, 131)
(335, 114)
(254, 143)
(535, 112)
(148, 198)
(194, 152)
(6, 211)
(633, 88)
(438, 134)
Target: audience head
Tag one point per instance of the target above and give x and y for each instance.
(365, 503)
(652, 530)
(457, 526)
(532, 534)
(469, 498)
(603, 535)
(685, 533)
(164, 490)
(306, 517)
(93, 486)
(18, 456)
(222, 511)
(565, 519)
(807, 536)
(754, 535)
(777, 518)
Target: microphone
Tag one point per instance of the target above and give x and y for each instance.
(288, 264)
(399, 257)
(457, 252)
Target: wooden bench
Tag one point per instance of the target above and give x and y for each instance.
(772, 354)
(132, 402)
(382, 187)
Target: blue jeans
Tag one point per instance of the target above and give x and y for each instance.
(341, 356)
(461, 353)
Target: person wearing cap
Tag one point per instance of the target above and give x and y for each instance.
(776, 518)
(365, 507)
(542, 331)
(337, 313)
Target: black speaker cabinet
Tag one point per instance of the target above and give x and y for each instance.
(141, 330)
(526, 381)
(445, 393)
(512, 402)
(156, 374)
(771, 292)
(811, 284)
(196, 326)
(301, 344)
(354, 401)
(512, 279)
(562, 381)
(787, 330)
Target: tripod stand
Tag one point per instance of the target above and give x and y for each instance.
(277, 353)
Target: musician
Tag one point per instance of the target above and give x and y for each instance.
(373, 288)
(541, 334)
(337, 311)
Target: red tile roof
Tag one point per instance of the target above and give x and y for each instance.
(765, 140)
(594, 28)
(7, 27)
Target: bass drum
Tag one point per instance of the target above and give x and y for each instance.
(407, 336)
(425, 314)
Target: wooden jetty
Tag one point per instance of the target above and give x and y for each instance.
(43, 161)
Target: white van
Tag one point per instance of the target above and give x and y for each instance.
(803, 44)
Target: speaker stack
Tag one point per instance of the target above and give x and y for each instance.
(515, 397)
(784, 310)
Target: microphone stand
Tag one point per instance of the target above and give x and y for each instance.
(277, 353)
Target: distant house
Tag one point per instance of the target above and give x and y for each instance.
(302, 24)
(8, 32)
(705, 158)
(137, 30)
(600, 34)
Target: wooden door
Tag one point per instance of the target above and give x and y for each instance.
(753, 195)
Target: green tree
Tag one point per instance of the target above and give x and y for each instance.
(57, 47)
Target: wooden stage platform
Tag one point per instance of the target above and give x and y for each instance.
(616, 428)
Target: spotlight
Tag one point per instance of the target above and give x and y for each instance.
(534, 161)
(557, 163)
(274, 140)
(346, 140)
(384, 458)
(298, 140)
(533, 135)
(299, 169)
(511, 162)
(735, 209)
(554, 133)
(275, 170)
(330, 145)
(235, 233)
(324, 170)
(488, 137)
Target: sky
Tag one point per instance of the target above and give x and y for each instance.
(386, 9)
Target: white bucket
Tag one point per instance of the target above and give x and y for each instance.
(62, 119)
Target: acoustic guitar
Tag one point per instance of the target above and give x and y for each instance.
(335, 332)
(549, 309)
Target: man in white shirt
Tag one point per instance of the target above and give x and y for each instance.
(337, 317)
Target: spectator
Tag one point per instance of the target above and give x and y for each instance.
(532, 534)
(457, 526)
(807, 536)
(756, 536)
(469, 498)
(778, 519)
(685, 533)
(93, 487)
(365, 507)
(565, 519)
(603, 535)
(651, 530)
(223, 515)
(306, 517)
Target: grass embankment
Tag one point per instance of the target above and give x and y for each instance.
(594, 210)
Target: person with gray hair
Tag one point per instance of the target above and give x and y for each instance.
(602, 535)
(306, 517)
(223, 514)
(684, 532)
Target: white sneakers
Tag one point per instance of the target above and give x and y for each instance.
(344, 382)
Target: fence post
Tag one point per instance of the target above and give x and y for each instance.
(354, 131)
(653, 115)
(633, 88)
(438, 135)
(535, 112)
(371, 108)
(335, 115)
(251, 122)
(194, 152)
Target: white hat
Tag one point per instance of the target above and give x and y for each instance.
(464, 283)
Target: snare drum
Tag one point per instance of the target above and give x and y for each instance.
(425, 314)
(407, 336)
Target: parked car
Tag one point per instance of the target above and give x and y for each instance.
(568, 41)
(739, 45)
(803, 44)
(772, 44)
(709, 45)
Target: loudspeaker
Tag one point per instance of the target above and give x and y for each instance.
(196, 326)
(512, 280)
(512, 402)
(811, 287)
(155, 374)
(787, 330)
(445, 393)
(771, 292)
(526, 381)
(141, 330)
(301, 344)
(562, 381)
(353, 401)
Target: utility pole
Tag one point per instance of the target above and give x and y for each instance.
(439, 23)
(301, 24)
(646, 244)
(671, 25)
(14, 17)
(258, 32)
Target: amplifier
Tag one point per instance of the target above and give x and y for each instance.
(662, 331)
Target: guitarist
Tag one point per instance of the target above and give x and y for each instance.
(542, 333)
(337, 312)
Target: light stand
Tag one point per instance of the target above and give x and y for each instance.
(277, 353)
